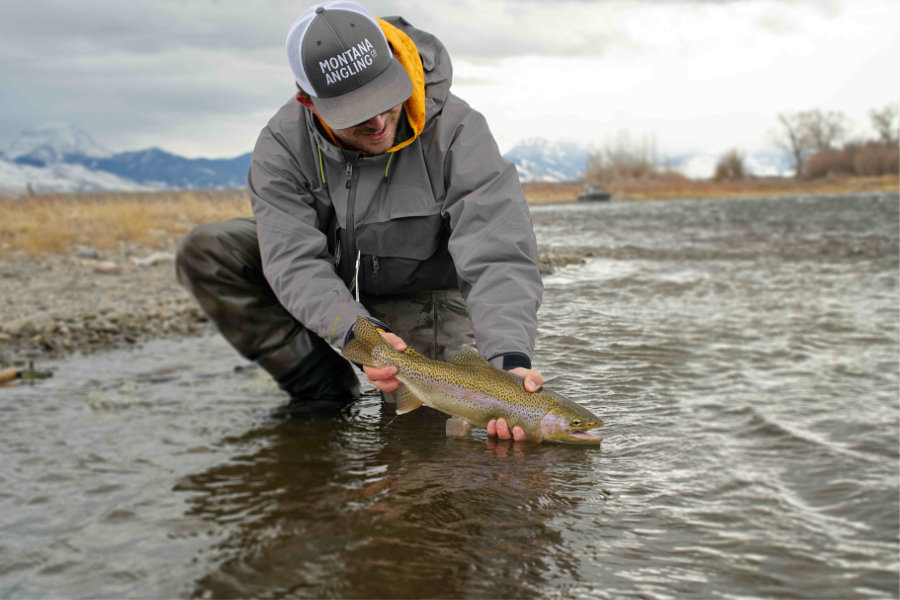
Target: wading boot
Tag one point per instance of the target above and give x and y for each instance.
(322, 383)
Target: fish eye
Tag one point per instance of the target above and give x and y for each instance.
(576, 423)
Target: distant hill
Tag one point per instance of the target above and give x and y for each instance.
(52, 143)
(158, 168)
(59, 157)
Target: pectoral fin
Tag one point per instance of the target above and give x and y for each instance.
(457, 427)
(406, 400)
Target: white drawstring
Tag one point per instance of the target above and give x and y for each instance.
(355, 286)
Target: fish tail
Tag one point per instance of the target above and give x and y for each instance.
(365, 338)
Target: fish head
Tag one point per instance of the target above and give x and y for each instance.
(565, 425)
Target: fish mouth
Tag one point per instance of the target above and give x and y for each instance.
(585, 435)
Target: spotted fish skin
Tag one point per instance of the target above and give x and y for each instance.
(472, 391)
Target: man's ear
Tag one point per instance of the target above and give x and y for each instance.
(305, 101)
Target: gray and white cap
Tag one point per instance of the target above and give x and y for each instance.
(340, 57)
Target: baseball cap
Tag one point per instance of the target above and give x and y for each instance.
(340, 57)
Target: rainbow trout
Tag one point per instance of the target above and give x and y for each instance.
(472, 391)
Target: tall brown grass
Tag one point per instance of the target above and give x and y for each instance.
(677, 186)
(546, 192)
(39, 225)
(669, 185)
(46, 224)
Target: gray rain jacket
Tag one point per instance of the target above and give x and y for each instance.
(443, 212)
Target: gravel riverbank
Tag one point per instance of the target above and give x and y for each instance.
(89, 301)
(93, 300)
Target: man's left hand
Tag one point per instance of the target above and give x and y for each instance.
(499, 428)
(533, 378)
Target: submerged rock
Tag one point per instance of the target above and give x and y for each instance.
(549, 261)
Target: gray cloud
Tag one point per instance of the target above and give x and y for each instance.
(176, 69)
(95, 26)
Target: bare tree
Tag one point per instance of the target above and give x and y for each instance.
(884, 121)
(793, 139)
(805, 133)
(623, 159)
(824, 129)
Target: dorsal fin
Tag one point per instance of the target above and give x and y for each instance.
(356, 351)
(468, 356)
(366, 333)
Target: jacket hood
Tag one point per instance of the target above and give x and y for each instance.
(435, 63)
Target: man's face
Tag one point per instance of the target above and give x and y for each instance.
(375, 136)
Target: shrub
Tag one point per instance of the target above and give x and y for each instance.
(730, 166)
(870, 159)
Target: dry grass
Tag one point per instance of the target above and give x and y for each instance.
(670, 186)
(688, 188)
(46, 224)
(552, 193)
(40, 225)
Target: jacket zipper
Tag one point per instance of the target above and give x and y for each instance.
(350, 251)
(352, 176)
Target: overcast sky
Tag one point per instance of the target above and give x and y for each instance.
(201, 77)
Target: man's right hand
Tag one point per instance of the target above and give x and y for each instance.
(384, 377)
(500, 429)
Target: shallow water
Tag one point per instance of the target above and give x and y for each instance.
(743, 354)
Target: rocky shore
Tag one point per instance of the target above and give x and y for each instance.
(89, 301)
(93, 300)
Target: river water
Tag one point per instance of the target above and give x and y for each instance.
(743, 354)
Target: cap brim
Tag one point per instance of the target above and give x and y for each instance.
(380, 95)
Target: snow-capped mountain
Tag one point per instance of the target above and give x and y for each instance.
(15, 178)
(52, 143)
(540, 160)
(59, 157)
(62, 158)
(158, 168)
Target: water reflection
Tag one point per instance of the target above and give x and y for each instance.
(743, 354)
(375, 506)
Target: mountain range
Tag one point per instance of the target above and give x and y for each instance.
(59, 158)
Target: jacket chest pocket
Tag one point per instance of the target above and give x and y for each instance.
(411, 237)
(406, 252)
(407, 225)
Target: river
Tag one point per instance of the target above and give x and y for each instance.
(744, 354)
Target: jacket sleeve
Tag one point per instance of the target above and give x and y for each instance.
(294, 249)
(492, 238)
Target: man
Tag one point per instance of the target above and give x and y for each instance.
(375, 192)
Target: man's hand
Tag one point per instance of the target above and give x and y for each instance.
(533, 378)
(499, 427)
(383, 377)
